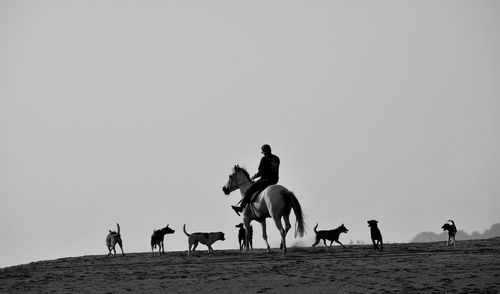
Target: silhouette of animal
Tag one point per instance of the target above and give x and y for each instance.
(242, 237)
(375, 235)
(331, 235)
(274, 202)
(112, 239)
(203, 238)
(158, 237)
(452, 231)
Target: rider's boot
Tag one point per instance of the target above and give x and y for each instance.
(237, 209)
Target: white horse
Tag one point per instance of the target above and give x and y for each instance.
(274, 202)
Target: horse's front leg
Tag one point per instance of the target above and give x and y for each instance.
(264, 235)
(246, 223)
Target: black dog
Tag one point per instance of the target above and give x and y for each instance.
(452, 231)
(375, 234)
(112, 239)
(157, 239)
(331, 235)
(242, 237)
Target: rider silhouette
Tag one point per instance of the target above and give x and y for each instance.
(268, 173)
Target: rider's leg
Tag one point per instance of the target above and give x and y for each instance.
(246, 198)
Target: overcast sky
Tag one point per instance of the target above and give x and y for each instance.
(136, 111)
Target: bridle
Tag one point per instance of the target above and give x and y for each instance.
(239, 184)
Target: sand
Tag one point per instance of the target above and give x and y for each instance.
(470, 267)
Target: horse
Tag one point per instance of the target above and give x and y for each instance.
(274, 202)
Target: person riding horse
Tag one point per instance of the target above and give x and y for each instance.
(268, 173)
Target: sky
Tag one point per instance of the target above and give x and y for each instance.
(135, 112)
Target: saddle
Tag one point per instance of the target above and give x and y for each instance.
(256, 193)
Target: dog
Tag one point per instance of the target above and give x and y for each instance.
(158, 237)
(375, 235)
(331, 235)
(242, 237)
(203, 238)
(452, 231)
(112, 239)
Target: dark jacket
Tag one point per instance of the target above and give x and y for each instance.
(269, 168)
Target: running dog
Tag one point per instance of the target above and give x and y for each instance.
(375, 235)
(203, 238)
(452, 231)
(331, 235)
(112, 239)
(158, 237)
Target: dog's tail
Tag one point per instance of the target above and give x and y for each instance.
(453, 225)
(184, 229)
(299, 215)
(118, 228)
(316, 226)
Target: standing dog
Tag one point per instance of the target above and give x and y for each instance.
(331, 235)
(452, 231)
(203, 238)
(244, 239)
(242, 235)
(158, 237)
(112, 239)
(375, 235)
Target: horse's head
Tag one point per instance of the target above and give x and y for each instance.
(238, 177)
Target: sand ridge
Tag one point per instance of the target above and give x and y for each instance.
(471, 266)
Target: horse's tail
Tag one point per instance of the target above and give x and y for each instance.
(299, 215)
(184, 229)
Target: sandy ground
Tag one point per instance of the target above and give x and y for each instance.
(470, 267)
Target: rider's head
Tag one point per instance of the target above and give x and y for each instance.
(266, 149)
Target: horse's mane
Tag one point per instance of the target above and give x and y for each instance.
(242, 169)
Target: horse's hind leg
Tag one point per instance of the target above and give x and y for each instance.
(286, 217)
(277, 221)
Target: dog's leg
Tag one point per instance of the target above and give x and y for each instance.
(195, 244)
(316, 242)
(121, 246)
(210, 249)
(340, 243)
